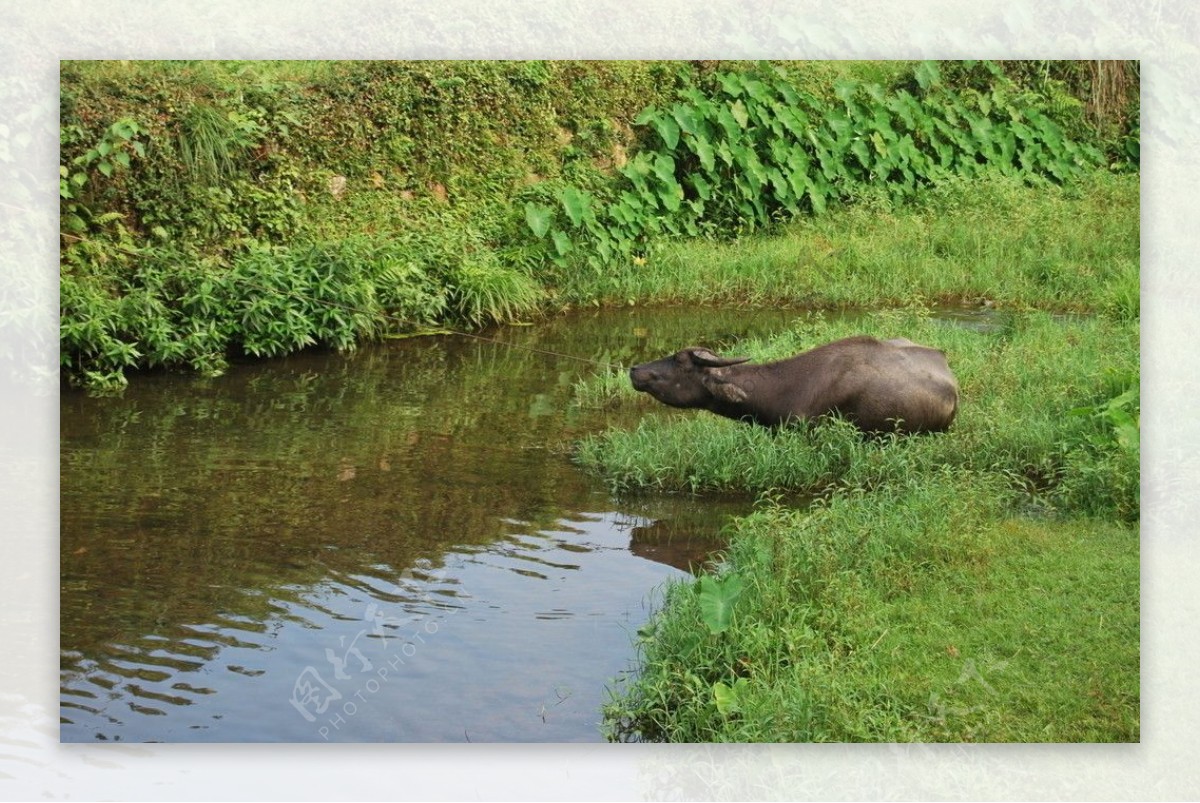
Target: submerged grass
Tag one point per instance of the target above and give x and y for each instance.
(919, 612)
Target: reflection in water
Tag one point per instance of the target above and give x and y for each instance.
(390, 546)
(508, 641)
(668, 542)
(387, 546)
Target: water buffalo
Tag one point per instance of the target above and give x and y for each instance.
(880, 386)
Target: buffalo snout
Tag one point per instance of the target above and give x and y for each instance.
(685, 379)
(651, 377)
(640, 376)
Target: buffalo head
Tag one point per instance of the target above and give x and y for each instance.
(689, 378)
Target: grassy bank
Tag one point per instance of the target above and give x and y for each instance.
(1024, 390)
(976, 585)
(990, 238)
(923, 611)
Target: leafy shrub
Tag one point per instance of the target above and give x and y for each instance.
(80, 187)
(168, 310)
(758, 150)
(288, 299)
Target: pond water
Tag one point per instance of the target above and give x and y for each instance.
(388, 546)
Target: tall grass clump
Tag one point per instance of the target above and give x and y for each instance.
(917, 612)
(485, 291)
(209, 140)
(607, 387)
(697, 455)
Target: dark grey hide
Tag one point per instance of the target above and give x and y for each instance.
(880, 386)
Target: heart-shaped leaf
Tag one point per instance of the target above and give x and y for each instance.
(538, 217)
(718, 596)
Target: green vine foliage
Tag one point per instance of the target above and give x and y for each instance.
(758, 150)
(111, 155)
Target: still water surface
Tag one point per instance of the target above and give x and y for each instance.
(387, 546)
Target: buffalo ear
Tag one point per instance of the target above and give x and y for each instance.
(721, 388)
(709, 360)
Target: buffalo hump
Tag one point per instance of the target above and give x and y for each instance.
(879, 385)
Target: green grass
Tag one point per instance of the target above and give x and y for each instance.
(976, 585)
(1063, 248)
(919, 612)
(1018, 386)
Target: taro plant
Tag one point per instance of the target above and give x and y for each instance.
(717, 597)
(730, 698)
(1119, 418)
(757, 150)
(1101, 476)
